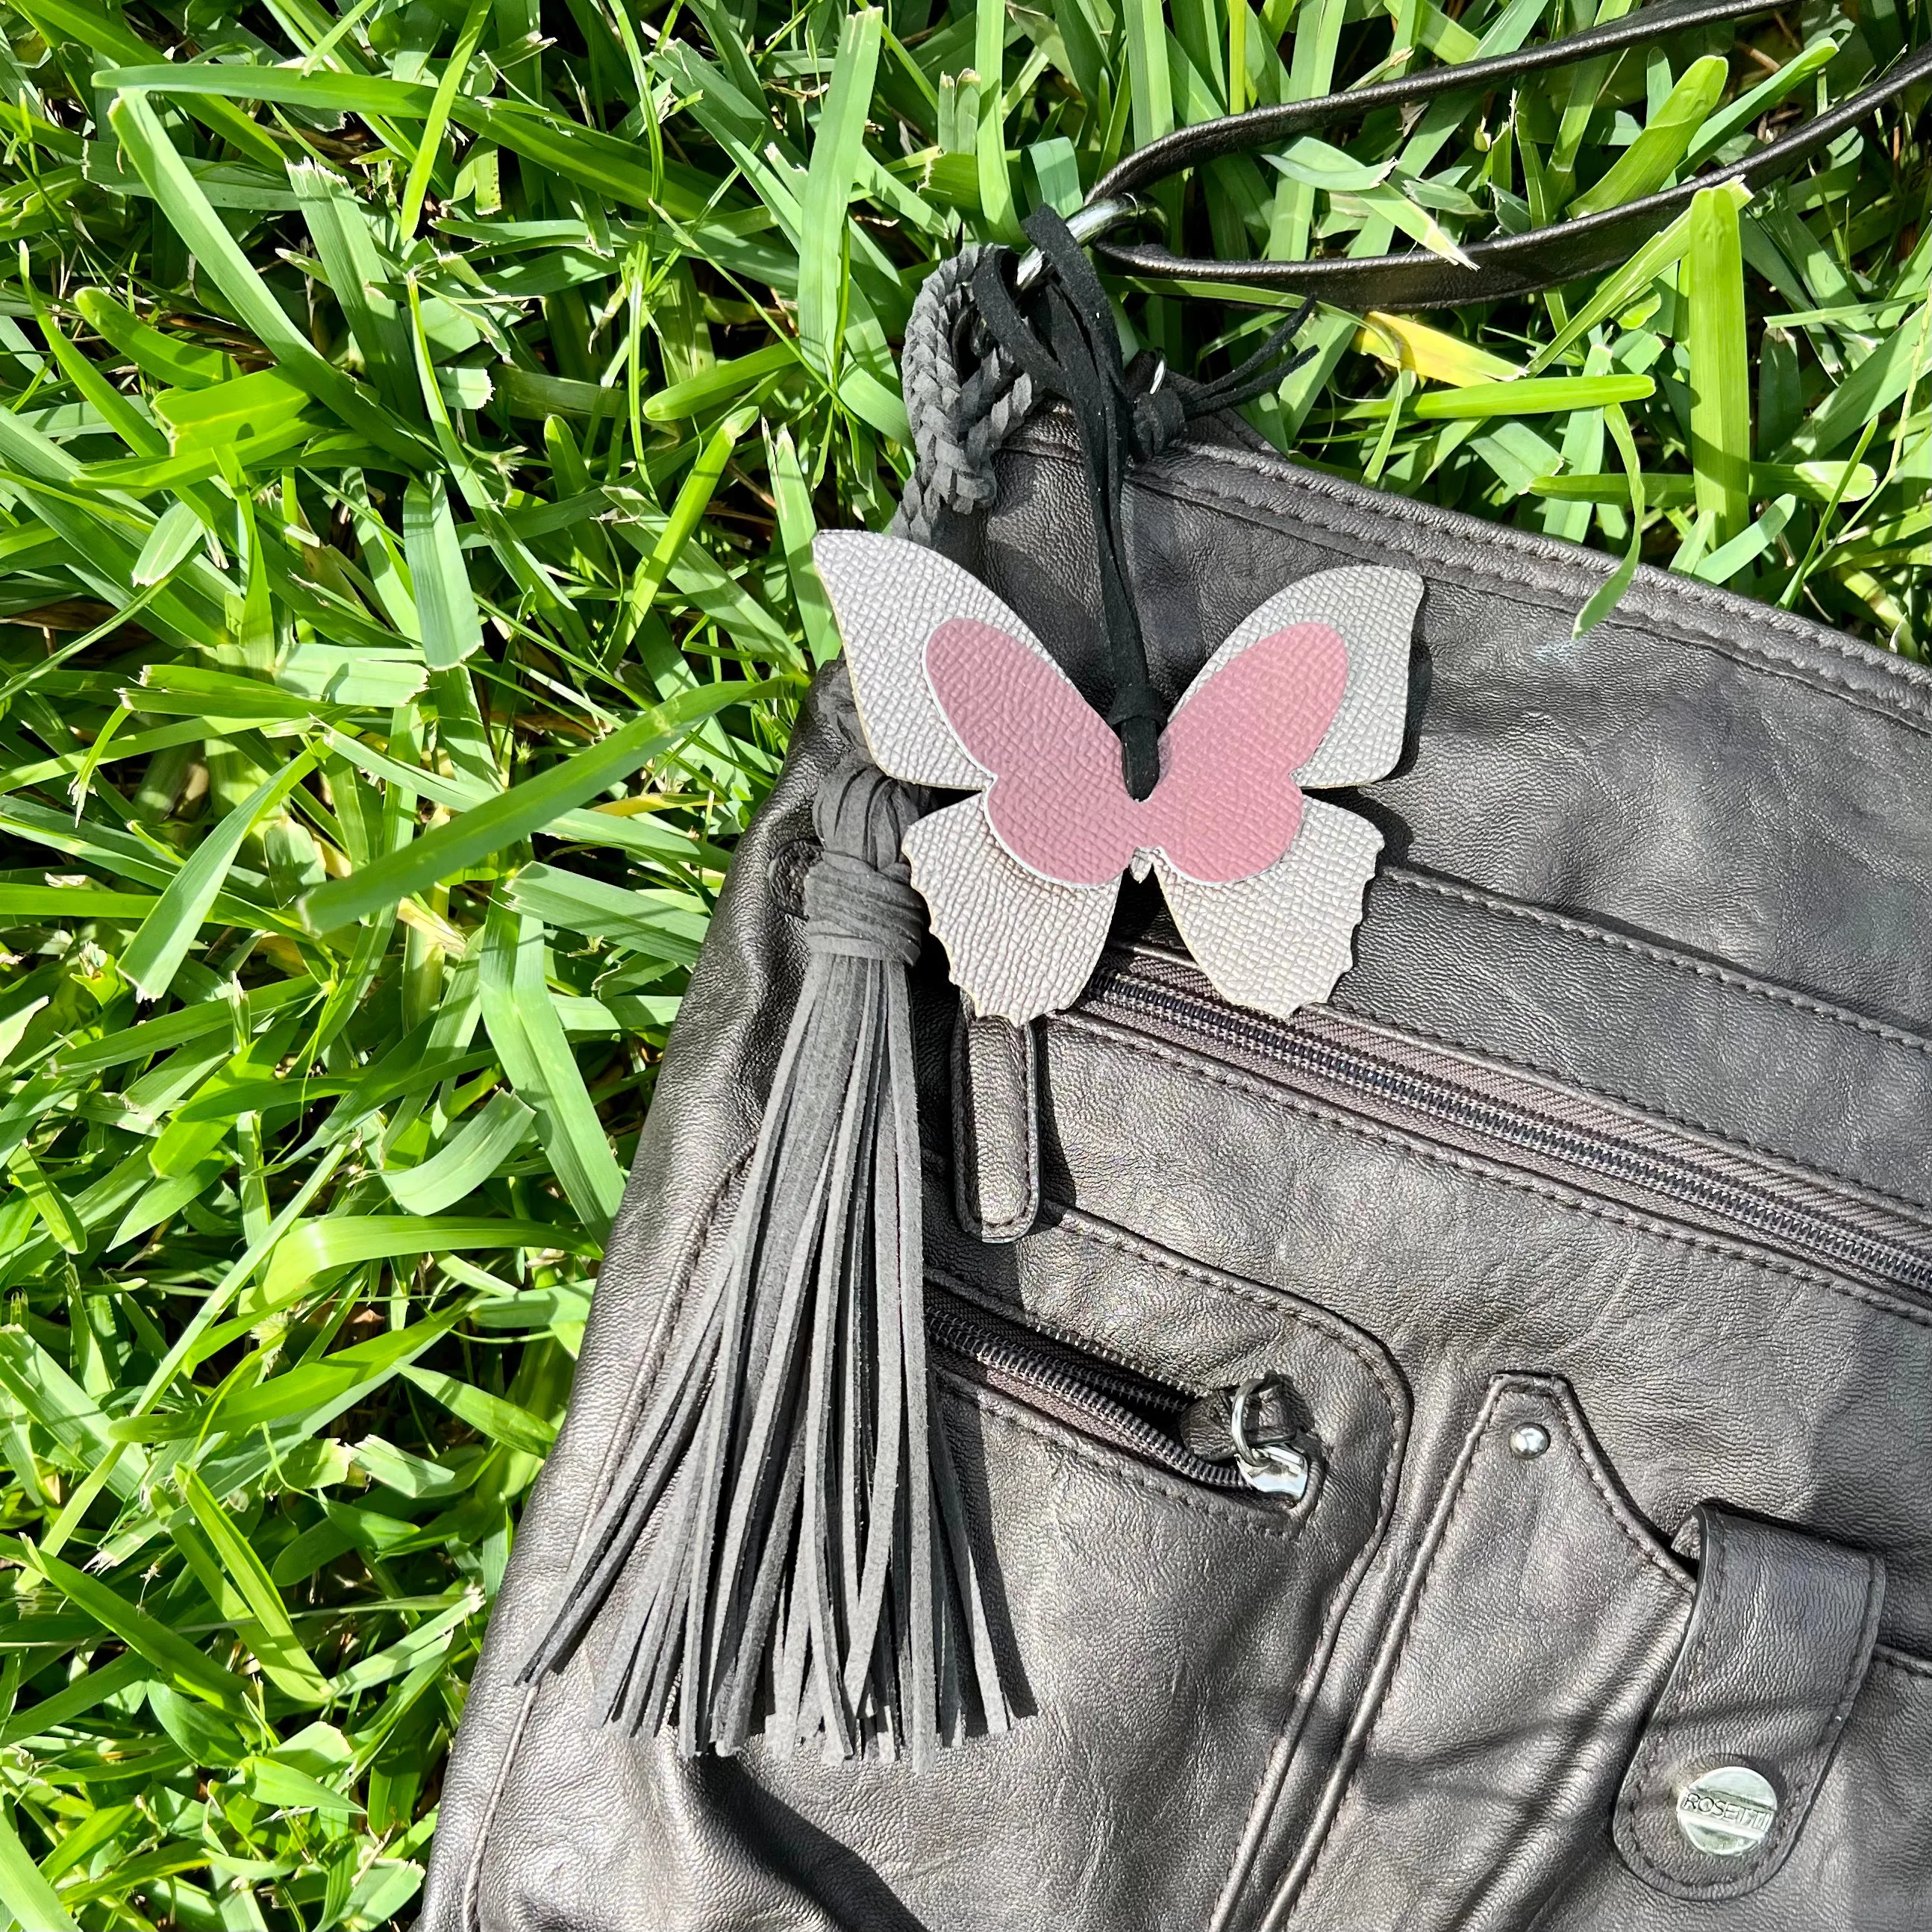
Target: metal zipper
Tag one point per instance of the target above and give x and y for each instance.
(1111, 1405)
(1482, 1108)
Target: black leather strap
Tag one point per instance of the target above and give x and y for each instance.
(1512, 264)
(995, 1127)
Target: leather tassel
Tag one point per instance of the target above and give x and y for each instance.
(790, 1504)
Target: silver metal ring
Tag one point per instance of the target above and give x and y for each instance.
(1238, 1421)
(1085, 225)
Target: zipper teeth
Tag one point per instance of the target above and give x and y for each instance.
(1757, 1209)
(1000, 1359)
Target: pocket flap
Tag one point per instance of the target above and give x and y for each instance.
(1780, 1637)
(1538, 1622)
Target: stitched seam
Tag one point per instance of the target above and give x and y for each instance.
(1694, 1667)
(1809, 1764)
(1265, 1800)
(1030, 1087)
(1856, 1664)
(1278, 1302)
(1087, 1229)
(1551, 1393)
(1234, 1288)
(966, 1162)
(690, 1256)
(966, 1169)
(1884, 1657)
(1807, 1769)
(1659, 956)
(1411, 1617)
(1644, 1104)
(1119, 1467)
(1614, 1505)
(1641, 1103)
(1541, 571)
(1289, 1103)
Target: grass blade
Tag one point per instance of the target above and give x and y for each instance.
(445, 605)
(1653, 157)
(1720, 365)
(838, 148)
(490, 827)
(32, 1903)
(155, 954)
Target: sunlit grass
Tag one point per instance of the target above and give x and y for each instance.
(417, 420)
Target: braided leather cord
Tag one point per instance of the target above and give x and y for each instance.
(959, 422)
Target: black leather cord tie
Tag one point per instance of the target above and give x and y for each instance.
(1068, 345)
(786, 1522)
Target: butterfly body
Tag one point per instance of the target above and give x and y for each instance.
(1021, 878)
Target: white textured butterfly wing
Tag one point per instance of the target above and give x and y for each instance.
(1279, 941)
(1372, 607)
(890, 596)
(1019, 945)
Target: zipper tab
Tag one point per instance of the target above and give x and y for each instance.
(1276, 1468)
(1255, 1427)
(1249, 1437)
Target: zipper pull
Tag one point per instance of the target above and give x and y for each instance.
(1254, 1426)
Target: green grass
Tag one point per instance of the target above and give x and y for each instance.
(416, 421)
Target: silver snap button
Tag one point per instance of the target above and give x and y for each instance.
(1529, 1440)
(1726, 1812)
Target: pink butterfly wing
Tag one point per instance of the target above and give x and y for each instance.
(1227, 805)
(1056, 801)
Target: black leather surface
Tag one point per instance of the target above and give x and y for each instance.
(1683, 862)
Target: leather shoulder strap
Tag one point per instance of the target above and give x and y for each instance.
(1510, 265)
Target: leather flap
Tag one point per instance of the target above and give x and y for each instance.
(1780, 1635)
(995, 1127)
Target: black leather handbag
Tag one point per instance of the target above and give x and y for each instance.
(1457, 1455)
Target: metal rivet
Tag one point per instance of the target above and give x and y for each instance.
(1529, 1440)
(1726, 1812)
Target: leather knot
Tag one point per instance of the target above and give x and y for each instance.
(858, 898)
(1159, 416)
(858, 911)
(861, 812)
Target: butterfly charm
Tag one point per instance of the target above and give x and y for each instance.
(1264, 883)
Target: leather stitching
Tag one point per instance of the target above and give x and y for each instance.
(1341, 1597)
(1234, 1288)
(1030, 1082)
(1804, 1774)
(1643, 1103)
(1087, 1228)
(1635, 1532)
(1261, 1806)
(1395, 1646)
(966, 1145)
(1693, 1667)
(1659, 956)
(1535, 569)
(965, 1148)
(1203, 1069)
(1486, 1051)
(1906, 1664)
